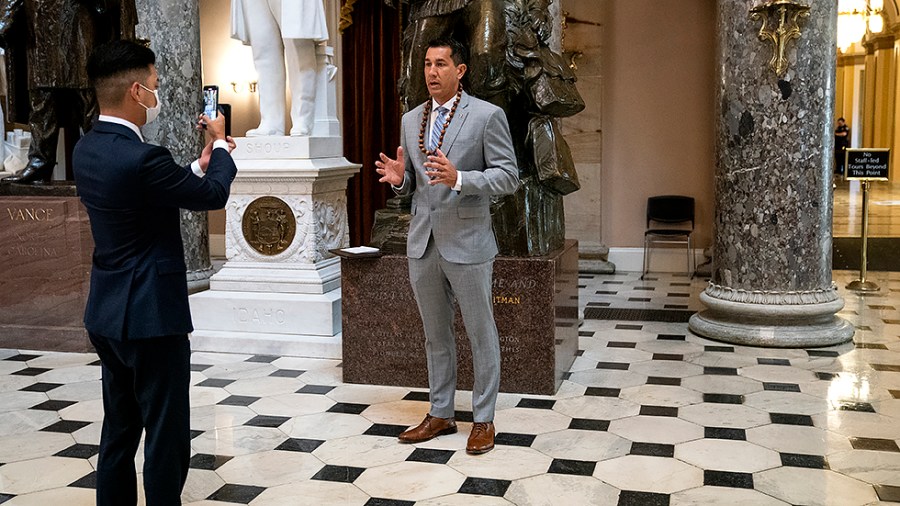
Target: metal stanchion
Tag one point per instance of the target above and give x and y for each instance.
(861, 285)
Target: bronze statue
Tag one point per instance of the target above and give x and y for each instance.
(60, 36)
(513, 67)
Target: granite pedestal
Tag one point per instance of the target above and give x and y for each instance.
(45, 266)
(535, 306)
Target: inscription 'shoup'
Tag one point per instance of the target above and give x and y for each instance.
(29, 213)
(267, 147)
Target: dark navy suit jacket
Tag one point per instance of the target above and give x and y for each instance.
(133, 192)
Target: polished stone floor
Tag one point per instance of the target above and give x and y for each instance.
(884, 209)
(649, 415)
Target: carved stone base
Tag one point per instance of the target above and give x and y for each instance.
(770, 324)
(279, 292)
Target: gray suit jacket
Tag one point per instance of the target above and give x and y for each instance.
(479, 144)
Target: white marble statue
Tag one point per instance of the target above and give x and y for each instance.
(277, 30)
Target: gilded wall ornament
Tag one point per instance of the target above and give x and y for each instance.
(788, 13)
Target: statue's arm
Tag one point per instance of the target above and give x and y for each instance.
(8, 9)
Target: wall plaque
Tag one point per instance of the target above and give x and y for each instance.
(268, 225)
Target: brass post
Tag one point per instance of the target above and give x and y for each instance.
(861, 285)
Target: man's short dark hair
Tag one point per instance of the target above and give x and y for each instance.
(115, 65)
(842, 119)
(458, 52)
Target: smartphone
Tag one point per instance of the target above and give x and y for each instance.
(211, 101)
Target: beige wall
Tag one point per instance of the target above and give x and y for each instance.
(658, 112)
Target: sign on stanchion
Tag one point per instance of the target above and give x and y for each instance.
(865, 166)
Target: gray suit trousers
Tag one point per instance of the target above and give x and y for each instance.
(436, 283)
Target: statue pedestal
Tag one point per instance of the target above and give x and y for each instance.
(535, 307)
(45, 268)
(279, 293)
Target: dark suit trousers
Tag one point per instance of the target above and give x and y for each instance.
(145, 387)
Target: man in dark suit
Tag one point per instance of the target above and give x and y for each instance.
(137, 313)
(455, 153)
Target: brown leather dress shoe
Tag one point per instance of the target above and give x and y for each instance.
(430, 428)
(481, 440)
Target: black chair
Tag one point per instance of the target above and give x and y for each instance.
(665, 212)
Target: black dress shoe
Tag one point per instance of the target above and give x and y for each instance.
(36, 172)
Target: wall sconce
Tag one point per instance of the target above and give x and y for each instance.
(238, 87)
(856, 18)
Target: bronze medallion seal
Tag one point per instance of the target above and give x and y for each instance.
(269, 225)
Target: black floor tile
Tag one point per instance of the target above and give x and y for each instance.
(263, 359)
(639, 299)
(644, 288)
(576, 467)
(21, 357)
(417, 396)
(208, 462)
(618, 366)
(613, 282)
(877, 367)
(652, 449)
(566, 375)
(620, 344)
(871, 346)
(773, 361)
(781, 387)
(727, 479)
(625, 326)
(240, 494)
(300, 445)
(873, 444)
(315, 389)
(722, 349)
(484, 486)
(790, 419)
(267, 421)
(53, 405)
(671, 337)
(723, 398)
(679, 284)
(342, 474)
(31, 371)
(200, 367)
(377, 501)
(95, 362)
(588, 424)
(5, 497)
(287, 373)
(86, 481)
(678, 294)
(579, 353)
(826, 376)
(725, 433)
(720, 371)
(215, 383)
(584, 333)
(633, 498)
(195, 433)
(430, 456)
(598, 304)
(602, 392)
(348, 407)
(65, 426)
(675, 306)
(40, 387)
(463, 416)
(605, 292)
(536, 403)
(79, 451)
(238, 400)
(801, 460)
(822, 353)
(860, 407)
(513, 439)
(895, 393)
(888, 493)
(659, 411)
(668, 356)
(662, 380)
(380, 429)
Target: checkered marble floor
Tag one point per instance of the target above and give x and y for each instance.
(649, 415)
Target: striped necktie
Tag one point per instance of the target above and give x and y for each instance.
(437, 128)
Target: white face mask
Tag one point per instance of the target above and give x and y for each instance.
(152, 112)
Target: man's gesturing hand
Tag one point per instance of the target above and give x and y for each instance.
(390, 170)
(440, 169)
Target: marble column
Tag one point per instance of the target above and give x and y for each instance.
(173, 28)
(771, 283)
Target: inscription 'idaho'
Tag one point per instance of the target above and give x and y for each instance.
(29, 213)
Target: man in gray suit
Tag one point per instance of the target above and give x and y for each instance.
(461, 155)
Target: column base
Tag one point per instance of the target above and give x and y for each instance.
(772, 325)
